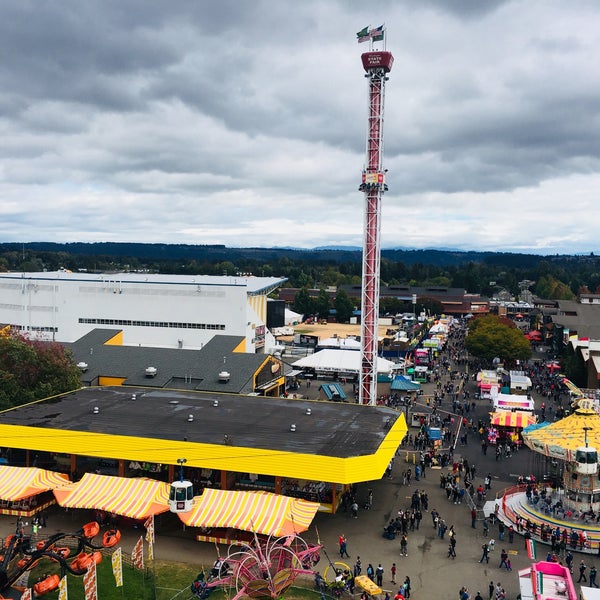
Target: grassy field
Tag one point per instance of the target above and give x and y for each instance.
(172, 580)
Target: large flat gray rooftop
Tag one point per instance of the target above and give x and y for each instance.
(332, 429)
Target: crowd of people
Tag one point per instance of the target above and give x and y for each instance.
(454, 409)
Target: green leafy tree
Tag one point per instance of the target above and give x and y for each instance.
(344, 306)
(31, 370)
(322, 304)
(303, 303)
(391, 306)
(551, 287)
(430, 305)
(491, 336)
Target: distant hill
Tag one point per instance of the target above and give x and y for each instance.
(217, 252)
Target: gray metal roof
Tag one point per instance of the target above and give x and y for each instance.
(581, 318)
(176, 368)
(252, 284)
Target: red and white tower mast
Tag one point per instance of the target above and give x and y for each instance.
(377, 65)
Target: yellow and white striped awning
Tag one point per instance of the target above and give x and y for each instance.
(260, 512)
(17, 483)
(134, 498)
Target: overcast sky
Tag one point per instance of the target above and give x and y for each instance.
(243, 122)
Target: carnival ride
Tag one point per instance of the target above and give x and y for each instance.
(19, 555)
(377, 65)
(263, 569)
(568, 499)
(546, 581)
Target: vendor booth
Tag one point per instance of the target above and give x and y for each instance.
(506, 426)
(25, 491)
(512, 402)
(488, 383)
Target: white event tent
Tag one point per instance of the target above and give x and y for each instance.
(332, 361)
(341, 343)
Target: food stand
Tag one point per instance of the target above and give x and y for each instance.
(508, 425)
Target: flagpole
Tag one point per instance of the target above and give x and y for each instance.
(153, 571)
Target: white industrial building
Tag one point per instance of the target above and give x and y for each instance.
(169, 311)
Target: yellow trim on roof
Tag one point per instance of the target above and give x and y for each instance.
(115, 340)
(211, 456)
(241, 347)
(103, 380)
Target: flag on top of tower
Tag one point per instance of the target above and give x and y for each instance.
(363, 35)
(377, 34)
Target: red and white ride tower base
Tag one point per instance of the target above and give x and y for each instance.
(377, 65)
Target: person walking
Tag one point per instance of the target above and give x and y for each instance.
(582, 568)
(593, 574)
(406, 586)
(473, 518)
(393, 572)
(403, 545)
(357, 567)
(500, 594)
(503, 557)
(452, 548)
(379, 575)
(371, 572)
(569, 561)
(491, 588)
(343, 546)
(485, 555)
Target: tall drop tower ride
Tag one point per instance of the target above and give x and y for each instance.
(377, 65)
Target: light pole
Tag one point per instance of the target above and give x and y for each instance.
(414, 303)
(585, 435)
(181, 462)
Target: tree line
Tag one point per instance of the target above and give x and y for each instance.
(486, 273)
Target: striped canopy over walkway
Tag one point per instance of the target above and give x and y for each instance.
(134, 498)
(17, 483)
(260, 512)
